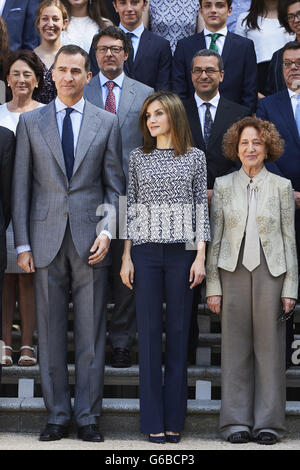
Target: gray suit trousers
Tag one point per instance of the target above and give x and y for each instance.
(253, 351)
(89, 289)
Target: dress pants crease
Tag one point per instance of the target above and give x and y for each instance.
(252, 351)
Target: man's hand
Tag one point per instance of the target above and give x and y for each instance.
(99, 249)
(25, 261)
(297, 199)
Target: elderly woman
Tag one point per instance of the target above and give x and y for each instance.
(167, 207)
(252, 278)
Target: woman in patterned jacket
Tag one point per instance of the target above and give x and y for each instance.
(252, 278)
(166, 210)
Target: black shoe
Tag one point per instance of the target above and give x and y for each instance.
(266, 438)
(157, 439)
(173, 438)
(121, 358)
(90, 433)
(54, 432)
(241, 437)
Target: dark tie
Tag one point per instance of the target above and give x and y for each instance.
(129, 61)
(213, 46)
(208, 123)
(68, 143)
(110, 103)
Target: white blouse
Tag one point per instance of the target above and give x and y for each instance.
(268, 39)
(80, 32)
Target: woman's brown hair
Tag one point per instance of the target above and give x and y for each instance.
(4, 44)
(180, 130)
(51, 3)
(268, 134)
(96, 11)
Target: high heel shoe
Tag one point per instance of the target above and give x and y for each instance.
(6, 360)
(157, 439)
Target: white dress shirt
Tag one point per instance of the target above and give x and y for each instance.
(219, 42)
(2, 5)
(117, 90)
(202, 108)
(135, 39)
(293, 95)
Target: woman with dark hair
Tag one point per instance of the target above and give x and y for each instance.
(289, 18)
(51, 20)
(252, 279)
(167, 208)
(24, 78)
(261, 24)
(86, 18)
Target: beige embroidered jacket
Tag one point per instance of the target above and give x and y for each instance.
(275, 220)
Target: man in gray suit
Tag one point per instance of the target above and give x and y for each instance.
(68, 165)
(113, 90)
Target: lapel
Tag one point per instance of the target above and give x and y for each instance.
(9, 4)
(145, 43)
(94, 94)
(227, 48)
(194, 122)
(88, 131)
(220, 119)
(128, 95)
(287, 115)
(49, 130)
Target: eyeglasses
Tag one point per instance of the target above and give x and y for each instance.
(113, 49)
(209, 71)
(287, 64)
(291, 17)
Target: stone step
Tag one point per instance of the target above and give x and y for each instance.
(130, 376)
(28, 415)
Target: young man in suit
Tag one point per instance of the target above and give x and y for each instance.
(113, 90)
(150, 61)
(209, 115)
(19, 16)
(238, 54)
(283, 109)
(68, 164)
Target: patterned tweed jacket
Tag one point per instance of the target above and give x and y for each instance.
(275, 221)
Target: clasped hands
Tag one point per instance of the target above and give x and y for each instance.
(99, 250)
(214, 303)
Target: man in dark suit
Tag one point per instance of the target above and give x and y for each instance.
(19, 16)
(283, 110)
(238, 54)
(209, 115)
(126, 100)
(151, 59)
(68, 166)
(7, 155)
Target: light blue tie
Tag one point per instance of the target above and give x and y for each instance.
(297, 114)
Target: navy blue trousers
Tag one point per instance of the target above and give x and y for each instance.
(162, 269)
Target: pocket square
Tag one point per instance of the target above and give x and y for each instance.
(15, 9)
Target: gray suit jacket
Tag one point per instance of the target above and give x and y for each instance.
(43, 198)
(132, 98)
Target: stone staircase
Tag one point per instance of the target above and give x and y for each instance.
(22, 408)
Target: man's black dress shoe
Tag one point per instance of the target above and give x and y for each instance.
(266, 438)
(54, 432)
(121, 358)
(241, 437)
(90, 433)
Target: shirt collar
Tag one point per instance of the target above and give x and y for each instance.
(214, 102)
(222, 31)
(293, 94)
(60, 106)
(137, 32)
(118, 80)
(257, 179)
